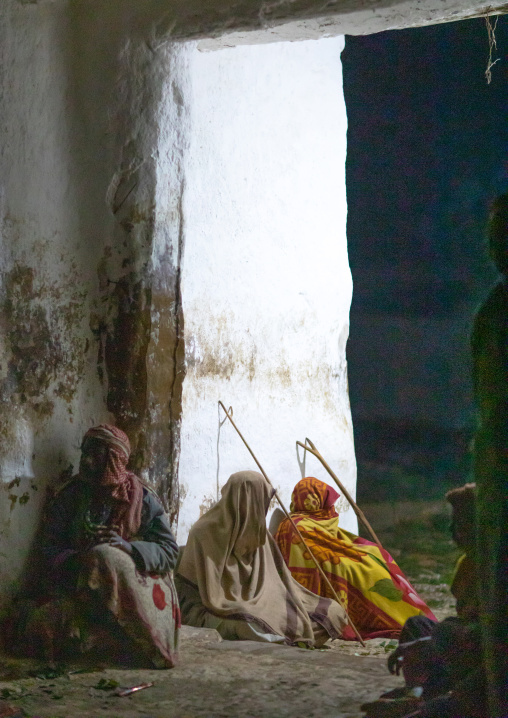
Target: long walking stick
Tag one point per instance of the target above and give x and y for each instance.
(310, 447)
(276, 494)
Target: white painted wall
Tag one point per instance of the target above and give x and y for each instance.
(265, 281)
(257, 136)
(45, 318)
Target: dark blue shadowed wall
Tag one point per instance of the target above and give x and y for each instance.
(427, 152)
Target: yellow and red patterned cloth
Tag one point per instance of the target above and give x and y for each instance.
(377, 595)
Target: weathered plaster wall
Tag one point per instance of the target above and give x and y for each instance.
(93, 129)
(266, 284)
(100, 206)
(225, 24)
(133, 98)
(105, 153)
(49, 390)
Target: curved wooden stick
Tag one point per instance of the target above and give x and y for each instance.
(311, 448)
(276, 494)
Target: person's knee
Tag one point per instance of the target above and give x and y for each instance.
(416, 627)
(105, 552)
(105, 559)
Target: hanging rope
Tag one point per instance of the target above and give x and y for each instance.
(491, 33)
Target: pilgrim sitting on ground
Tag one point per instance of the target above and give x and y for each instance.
(108, 553)
(231, 576)
(375, 592)
(440, 661)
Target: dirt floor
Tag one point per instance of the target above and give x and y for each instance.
(217, 678)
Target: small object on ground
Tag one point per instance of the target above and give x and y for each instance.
(78, 670)
(389, 645)
(121, 692)
(404, 692)
(47, 673)
(9, 711)
(399, 703)
(106, 684)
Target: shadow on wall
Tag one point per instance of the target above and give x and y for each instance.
(22, 501)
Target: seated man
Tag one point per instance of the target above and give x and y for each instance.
(108, 553)
(440, 662)
(231, 576)
(375, 592)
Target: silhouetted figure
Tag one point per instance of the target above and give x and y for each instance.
(490, 375)
(440, 661)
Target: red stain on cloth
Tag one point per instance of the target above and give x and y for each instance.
(159, 597)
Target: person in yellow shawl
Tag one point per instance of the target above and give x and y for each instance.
(377, 595)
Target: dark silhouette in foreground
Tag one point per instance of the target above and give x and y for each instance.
(439, 662)
(490, 375)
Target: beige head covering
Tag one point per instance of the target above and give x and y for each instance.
(240, 573)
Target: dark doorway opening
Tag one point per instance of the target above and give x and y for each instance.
(427, 152)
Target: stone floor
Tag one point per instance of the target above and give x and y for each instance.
(217, 678)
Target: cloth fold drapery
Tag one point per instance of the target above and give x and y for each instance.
(235, 565)
(378, 596)
(145, 606)
(115, 609)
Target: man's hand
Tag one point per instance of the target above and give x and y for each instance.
(395, 660)
(415, 659)
(113, 538)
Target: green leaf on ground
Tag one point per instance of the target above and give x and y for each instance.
(11, 692)
(107, 684)
(391, 646)
(435, 602)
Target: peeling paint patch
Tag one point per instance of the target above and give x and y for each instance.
(16, 491)
(342, 505)
(211, 357)
(42, 345)
(42, 362)
(176, 498)
(207, 503)
(274, 502)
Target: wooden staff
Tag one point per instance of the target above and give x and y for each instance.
(276, 494)
(312, 449)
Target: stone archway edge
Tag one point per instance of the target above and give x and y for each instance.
(219, 24)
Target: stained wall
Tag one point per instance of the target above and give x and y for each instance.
(159, 250)
(49, 389)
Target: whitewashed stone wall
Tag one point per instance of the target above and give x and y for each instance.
(238, 197)
(266, 284)
(49, 392)
(152, 198)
